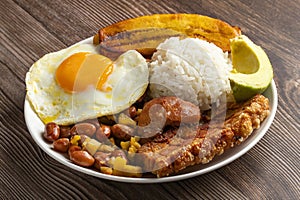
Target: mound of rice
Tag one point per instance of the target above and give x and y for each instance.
(191, 69)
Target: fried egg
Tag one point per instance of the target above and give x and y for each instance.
(78, 83)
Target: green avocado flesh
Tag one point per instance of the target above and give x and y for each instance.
(252, 71)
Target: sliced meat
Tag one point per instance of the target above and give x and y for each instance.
(187, 146)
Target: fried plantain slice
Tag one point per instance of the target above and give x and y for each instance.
(146, 32)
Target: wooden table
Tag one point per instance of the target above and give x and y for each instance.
(32, 28)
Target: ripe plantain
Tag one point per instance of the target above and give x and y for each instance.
(146, 32)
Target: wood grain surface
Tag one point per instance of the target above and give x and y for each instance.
(32, 28)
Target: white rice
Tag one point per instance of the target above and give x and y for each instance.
(191, 69)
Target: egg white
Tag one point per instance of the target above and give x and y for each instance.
(128, 80)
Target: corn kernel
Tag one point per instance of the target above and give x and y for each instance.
(132, 149)
(106, 170)
(137, 145)
(75, 139)
(132, 140)
(125, 145)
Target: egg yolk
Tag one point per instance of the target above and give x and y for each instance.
(84, 69)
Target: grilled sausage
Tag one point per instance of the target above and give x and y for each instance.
(171, 111)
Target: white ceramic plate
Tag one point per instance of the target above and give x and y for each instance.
(36, 128)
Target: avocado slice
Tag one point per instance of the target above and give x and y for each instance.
(252, 70)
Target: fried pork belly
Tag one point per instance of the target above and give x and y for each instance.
(178, 148)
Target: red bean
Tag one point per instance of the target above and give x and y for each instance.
(61, 145)
(82, 158)
(73, 148)
(83, 129)
(95, 122)
(52, 131)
